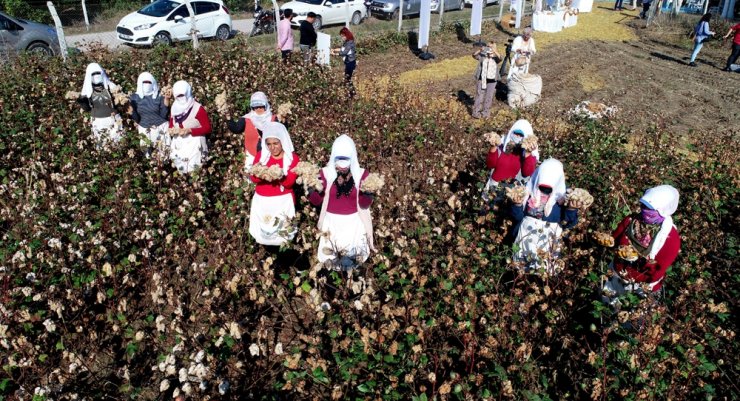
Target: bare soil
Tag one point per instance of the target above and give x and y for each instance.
(648, 79)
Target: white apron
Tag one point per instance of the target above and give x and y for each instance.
(268, 217)
(188, 153)
(155, 138)
(351, 235)
(108, 128)
(346, 236)
(535, 238)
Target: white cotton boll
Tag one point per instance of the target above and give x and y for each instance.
(182, 375)
(279, 349)
(187, 389)
(170, 371)
(50, 326)
(139, 336)
(107, 269)
(199, 356)
(31, 277)
(160, 323)
(234, 331)
(358, 305)
(164, 385)
(223, 387)
(254, 350)
(203, 385)
(325, 306)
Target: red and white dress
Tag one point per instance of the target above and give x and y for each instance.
(273, 205)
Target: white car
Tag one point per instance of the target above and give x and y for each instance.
(486, 2)
(327, 11)
(167, 21)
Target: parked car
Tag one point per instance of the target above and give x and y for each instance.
(167, 21)
(327, 11)
(18, 35)
(488, 2)
(450, 5)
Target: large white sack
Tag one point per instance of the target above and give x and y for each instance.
(524, 90)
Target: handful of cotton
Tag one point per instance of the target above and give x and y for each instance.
(493, 138)
(222, 105)
(308, 176)
(284, 110)
(373, 183)
(72, 95)
(516, 194)
(272, 173)
(579, 198)
(628, 253)
(166, 91)
(530, 143)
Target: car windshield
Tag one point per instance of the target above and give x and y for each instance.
(315, 2)
(159, 8)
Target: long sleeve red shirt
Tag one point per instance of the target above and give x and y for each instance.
(273, 188)
(644, 270)
(345, 204)
(202, 117)
(506, 166)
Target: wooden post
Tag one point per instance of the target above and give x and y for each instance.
(346, 14)
(84, 13)
(276, 10)
(400, 15)
(193, 29)
(60, 31)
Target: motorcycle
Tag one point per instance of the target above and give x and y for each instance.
(264, 21)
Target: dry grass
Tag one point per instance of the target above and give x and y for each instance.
(600, 24)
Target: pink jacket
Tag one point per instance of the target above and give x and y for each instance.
(285, 35)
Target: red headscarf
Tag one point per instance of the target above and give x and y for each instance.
(347, 33)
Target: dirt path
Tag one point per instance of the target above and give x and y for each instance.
(647, 80)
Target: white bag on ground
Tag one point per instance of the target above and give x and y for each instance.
(524, 90)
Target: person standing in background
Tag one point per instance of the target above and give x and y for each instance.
(735, 46)
(348, 52)
(285, 34)
(308, 37)
(618, 5)
(701, 35)
(486, 75)
(645, 8)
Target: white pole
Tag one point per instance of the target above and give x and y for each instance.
(193, 29)
(84, 13)
(501, 10)
(706, 5)
(60, 31)
(346, 14)
(400, 15)
(441, 11)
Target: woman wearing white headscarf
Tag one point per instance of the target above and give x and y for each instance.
(189, 125)
(252, 124)
(653, 236)
(345, 216)
(273, 202)
(541, 217)
(523, 49)
(96, 97)
(150, 111)
(510, 162)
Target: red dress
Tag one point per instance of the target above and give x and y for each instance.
(643, 270)
(276, 188)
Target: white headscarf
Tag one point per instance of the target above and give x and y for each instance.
(278, 131)
(343, 146)
(182, 88)
(259, 99)
(550, 173)
(145, 76)
(523, 126)
(663, 199)
(87, 86)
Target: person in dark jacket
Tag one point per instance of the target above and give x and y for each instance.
(541, 214)
(150, 111)
(349, 55)
(308, 37)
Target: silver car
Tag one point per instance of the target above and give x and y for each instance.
(18, 35)
(389, 8)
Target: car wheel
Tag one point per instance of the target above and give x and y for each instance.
(317, 24)
(356, 18)
(462, 5)
(40, 48)
(223, 32)
(162, 38)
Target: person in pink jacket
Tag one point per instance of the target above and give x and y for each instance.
(285, 34)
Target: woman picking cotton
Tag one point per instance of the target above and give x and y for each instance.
(273, 203)
(252, 124)
(646, 245)
(189, 125)
(542, 210)
(150, 111)
(97, 97)
(345, 220)
(523, 49)
(512, 160)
